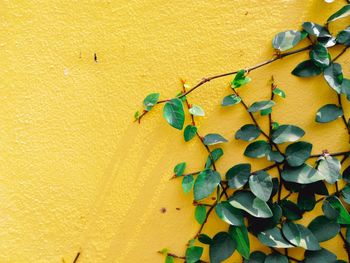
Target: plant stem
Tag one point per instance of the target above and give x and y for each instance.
(76, 257)
(179, 257)
(331, 154)
(343, 116)
(341, 53)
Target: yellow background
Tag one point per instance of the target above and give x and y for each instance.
(76, 173)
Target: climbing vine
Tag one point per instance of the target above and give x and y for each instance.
(250, 201)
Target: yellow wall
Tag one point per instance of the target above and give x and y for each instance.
(76, 173)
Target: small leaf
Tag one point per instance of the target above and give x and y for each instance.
(257, 149)
(333, 74)
(221, 248)
(206, 183)
(266, 112)
(187, 183)
(273, 238)
(229, 214)
(169, 259)
(251, 204)
(306, 200)
(319, 55)
(256, 225)
(260, 184)
(275, 156)
(200, 214)
(287, 40)
(213, 157)
(279, 92)
(297, 153)
(150, 101)
(240, 79)
(213, 138)
(300, 236)
(174, 114)
(323, 228)
(306, 69)
(276, 258)
(287, 133)
(261, 105)
(342, 12)
(238, 175)
(319, 256)
(231, 100)
(329, 167)
(255, 257)
(136, 115)
(193, 254)
(240, 234)
(290, 210)
(316, 29)
(204, 239)
(343, 37)
(328, 113)
(346, 194)
(196, 110)
(248, 132)
(189, 132)
(304, 174)
(333, 208)
(179, 169)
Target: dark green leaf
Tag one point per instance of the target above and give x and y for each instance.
(316, 29)
(342, 12)
(279, 92)
(275, 156)
(304, 174)
(290, 210)
(150, 101)
(266, 112)
(345, 88)
(248, 132)
(193, 254)
(318, 187)
(346, 194)
(189, 132)
(231, 100)
(343, 37)
(179, 169)
(256, 225)
(329, 168)
(240, 79)
(319, 55)
(261, 105)
(333, 74)
(214, 156)
(255, 257)
(273, 238)
(276, 258)
(229, 214)
(300, 236)
(240, 234)
(196, 110)
(174, 114)
(297, 153)
(200, 214)
(238, 175)
(221, 247)
(287, 40)
(251, 204)
(320, 256)
(287, 133)
(328, 113)
(333, 208)
(306, 200)
(324, 228)
(187, 183)
(213, 138)
(206, 183)
(346, 174)
(204, 239)
(306, 69)
(169, 259)
(260, 184)
(257, 149)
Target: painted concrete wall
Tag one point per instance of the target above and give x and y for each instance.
(76, 173)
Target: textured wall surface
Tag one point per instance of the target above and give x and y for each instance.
(76, 173)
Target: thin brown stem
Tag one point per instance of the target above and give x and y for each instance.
(180, 257)
(341, 53)
(343, 116)
(76, 258)
(331, 154)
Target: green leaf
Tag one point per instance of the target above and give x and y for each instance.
(150, 101)
(275, 156)
(221, 248)
(187, 183)
(240, 79)
(256, 225)
(179, 169)
(240, 234)
(261, 105)
(276, 258)
(329, 167)
(319, 55)
(306, 69)
(251, 204)
(323, 228)
(229, 214)
(213, 156)
(174, 114)
(319, 256)
(345, 88)
(248, 132)
(200, 214)
(287, 133)
(346, 194)
(290, 210)
(273, 238)
(189, 132)
(206, 183)
(260, 184)
(213, 138)
(196, 110)
(300, 236)
(266, 112)
(204, 239)
(238, 175)
(136, 115)
(328, 113)
(297, 153)
(169, 259)
(342, 12)
(316, 29)
(231, 100)
(279, 92)
(255, 257)
(343, 37)
(333, 74)
(306, 200)
(333, 208)
(257, 149)
(287, 40)
(193, 254)
(346, 174)
(304, 174)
